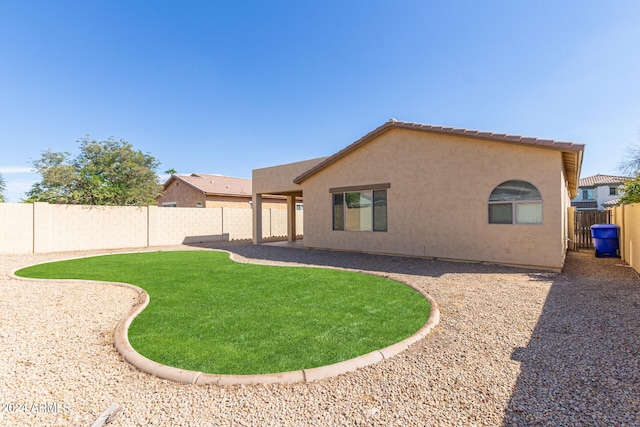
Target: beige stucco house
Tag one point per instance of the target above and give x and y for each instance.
(212, 191)
(438, 192)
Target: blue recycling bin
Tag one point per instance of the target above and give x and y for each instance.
(605, 240)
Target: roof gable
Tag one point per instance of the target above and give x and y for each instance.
(209, 184)
(572, 152)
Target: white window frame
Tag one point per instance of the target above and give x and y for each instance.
(514, 206)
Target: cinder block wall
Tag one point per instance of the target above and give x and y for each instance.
(73, 227)
(237, 223)
(41, 227)
(627, 217)
(16, 228)
(299, 223)
(278, 223)
(274, 224)
(174, 226)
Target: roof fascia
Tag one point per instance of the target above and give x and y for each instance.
(573, 174)
(348, 149)
(228, 194)
(565, 147)
(189, 184)
(168, 182)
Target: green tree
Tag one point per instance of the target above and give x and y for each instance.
(631, 191)
(3, 188)
(104, 173)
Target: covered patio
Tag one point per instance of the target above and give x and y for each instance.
(278, 181)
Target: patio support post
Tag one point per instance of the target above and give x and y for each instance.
(257, 218)
(291, 218)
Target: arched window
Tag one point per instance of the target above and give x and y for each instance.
(515, 202)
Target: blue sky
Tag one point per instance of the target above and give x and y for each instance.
(228, 86)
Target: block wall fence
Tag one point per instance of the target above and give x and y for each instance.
(41, 227)
(627, 217)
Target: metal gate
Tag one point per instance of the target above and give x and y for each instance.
(583, 223)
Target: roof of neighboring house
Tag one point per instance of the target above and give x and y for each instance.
(214, 185)
(596, 180)
(572, 152)
(585, 205)
(611, 203)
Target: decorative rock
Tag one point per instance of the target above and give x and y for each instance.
(501, 354)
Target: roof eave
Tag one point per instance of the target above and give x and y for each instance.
(572, 170)
(348, 149)
(227, 194)
(565, 147)
(168, 182)
(176, 177)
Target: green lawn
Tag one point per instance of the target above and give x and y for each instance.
(210, 314)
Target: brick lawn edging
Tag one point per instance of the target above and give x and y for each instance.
(122, 344)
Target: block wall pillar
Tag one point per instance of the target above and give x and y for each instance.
(291, 218)
(257, 218)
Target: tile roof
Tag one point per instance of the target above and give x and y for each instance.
(572, 152)
(596, 180)
(214, 184)
(611, 203)
(585, 205)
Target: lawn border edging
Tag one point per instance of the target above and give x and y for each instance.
(123, 346)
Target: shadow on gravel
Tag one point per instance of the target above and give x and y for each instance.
(582, 364)
(358, 261)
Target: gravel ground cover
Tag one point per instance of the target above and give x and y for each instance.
(513, 348)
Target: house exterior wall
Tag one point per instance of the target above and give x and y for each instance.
(600, 195)
(244, 202)
(571, 235)
(567, 213)
(580, 197)
(279, 179)
(276, 204)
(228, 202)
(603, 195)
(438, 199)
(183, 195)
(186, 196)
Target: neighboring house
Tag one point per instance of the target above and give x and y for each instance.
(598, 192)
(439, 192)
(211, 191)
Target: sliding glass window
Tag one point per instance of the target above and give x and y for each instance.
(360, 210)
